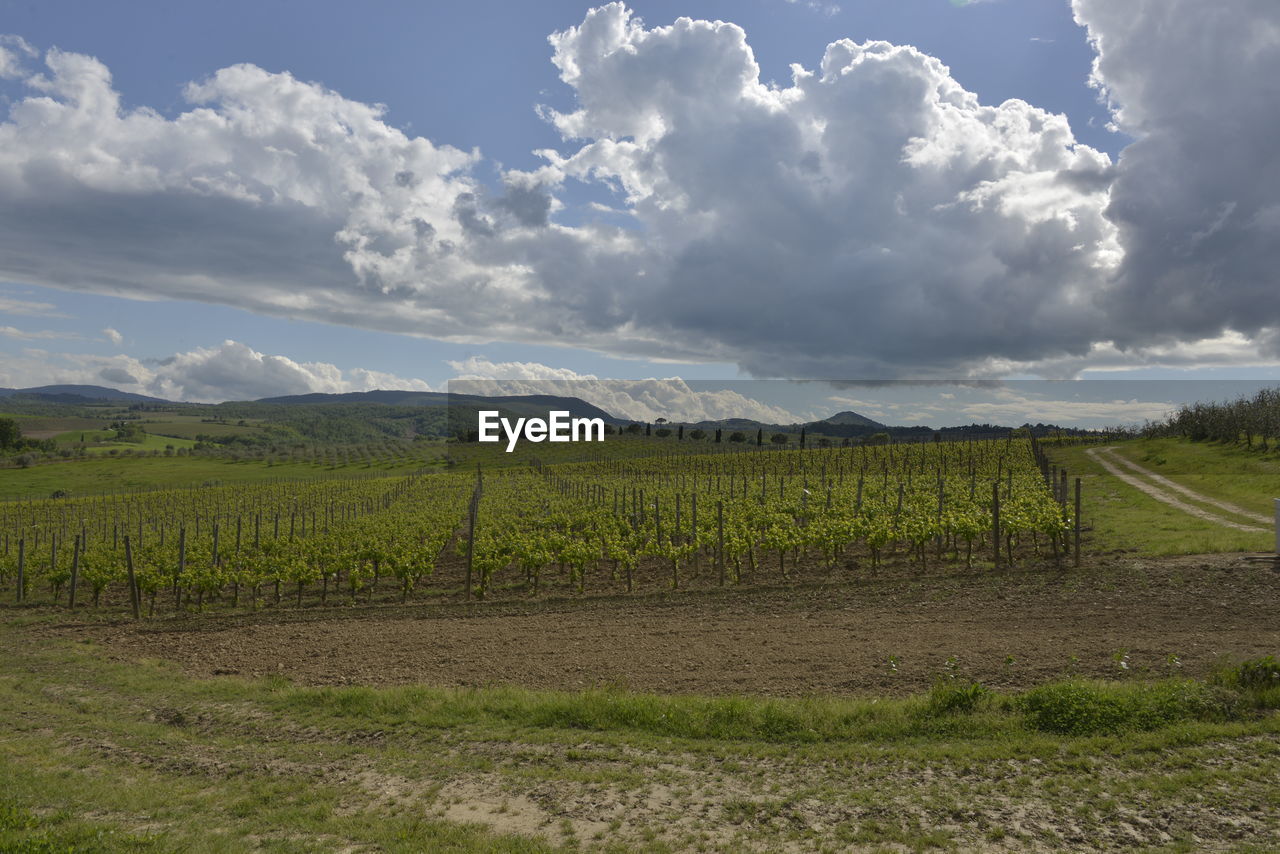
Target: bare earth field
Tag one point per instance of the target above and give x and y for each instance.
(1124, 616)
(229, 763)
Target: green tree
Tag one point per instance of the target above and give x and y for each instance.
(10, 435)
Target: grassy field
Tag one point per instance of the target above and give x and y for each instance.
(107, 751)
(188, 427)
(1233, 473)
(136, 756)
(46, 426)
(103, 441)
(1122, 517)
(104, 474)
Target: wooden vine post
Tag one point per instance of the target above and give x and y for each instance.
(75, 573)
(995, 521)
(473, 510)
(134, 598)
(720, 539)
(22, 556)
(1077, 524)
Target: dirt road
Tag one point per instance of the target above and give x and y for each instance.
(1111, 461)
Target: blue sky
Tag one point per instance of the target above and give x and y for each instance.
(619, 203)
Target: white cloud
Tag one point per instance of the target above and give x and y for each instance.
(12, 305)
(639, 400)
(34, 335)
(13, 51)
(229, 371)
(821, 6)
(113, 336)
(871, 218)
(1035, 409)
(1229, 349)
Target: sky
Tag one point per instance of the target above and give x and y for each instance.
(237, 200)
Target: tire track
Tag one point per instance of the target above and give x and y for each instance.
(1097, 454)
(1190, 493)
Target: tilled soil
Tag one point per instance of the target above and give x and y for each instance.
(1121, 615)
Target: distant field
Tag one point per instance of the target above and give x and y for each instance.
(189, 428)
(48, 426)
(103, 474)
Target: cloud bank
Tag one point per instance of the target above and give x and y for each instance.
(229, 371)
(233, 370)
(639, 400)
(869, 219)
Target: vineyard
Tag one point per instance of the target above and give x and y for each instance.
(617, 525)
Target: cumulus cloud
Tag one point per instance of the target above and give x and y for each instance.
(113, 336)
(117, 375)
(870, 218)
(873, 218)
(639, 400)
(229, 371)
(1196, 196)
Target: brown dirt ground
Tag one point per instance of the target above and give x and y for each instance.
(804, 639)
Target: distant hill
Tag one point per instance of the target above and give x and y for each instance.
(841, 424)
(849, 418)
(78, 394)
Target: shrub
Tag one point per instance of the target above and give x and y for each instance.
(737, 436)
(955, 696)
(1258, 679)
(1077, 707)
(1250, 675)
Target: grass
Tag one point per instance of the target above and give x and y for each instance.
(47, 425)
(116, 755)
(1121, 517)
(105, 474)
(103, 441)
(192, 426)
(1249, 479)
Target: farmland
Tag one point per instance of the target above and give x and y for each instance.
(648, 645)
(614, 524)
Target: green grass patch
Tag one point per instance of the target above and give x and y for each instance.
(1082, 707)
(1233, 473)
(1118, 516)
(112, 755)
(104, 441)
(104, 473)
(190, 428)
